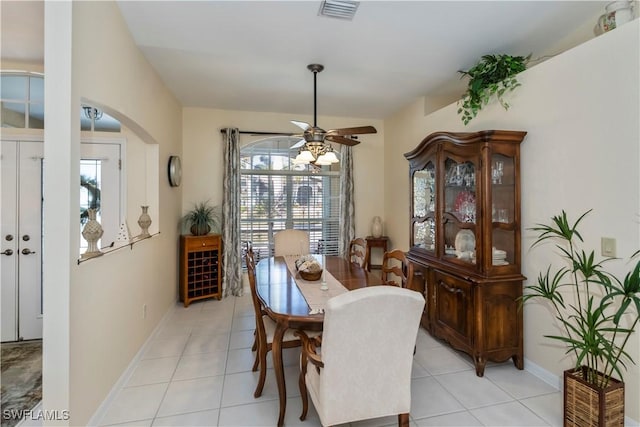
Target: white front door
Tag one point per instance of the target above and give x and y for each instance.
(21, 235)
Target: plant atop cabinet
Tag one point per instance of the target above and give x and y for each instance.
(202, 219)
(492, 75)
(596, 324)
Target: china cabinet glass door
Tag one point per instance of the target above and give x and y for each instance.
(460, 210)
(503, 208)
(424, 207)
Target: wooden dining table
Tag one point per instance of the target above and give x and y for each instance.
(285, 303)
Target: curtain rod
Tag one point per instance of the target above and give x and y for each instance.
(250, 132)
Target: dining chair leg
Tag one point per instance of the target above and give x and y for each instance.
(254, 347)
(256, 363)
(403, 420)
(302, 384)
(262, 354)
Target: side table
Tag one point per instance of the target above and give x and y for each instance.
(375, 242)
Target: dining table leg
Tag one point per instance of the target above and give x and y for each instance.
(276, 349)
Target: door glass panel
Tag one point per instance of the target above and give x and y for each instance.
(502, 209)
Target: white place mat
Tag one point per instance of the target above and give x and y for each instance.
(312, 292)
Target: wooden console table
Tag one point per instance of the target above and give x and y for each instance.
(375, 242)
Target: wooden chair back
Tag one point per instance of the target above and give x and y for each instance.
(358, 252)
(291, 242)
(396, 269)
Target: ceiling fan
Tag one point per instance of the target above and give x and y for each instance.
(314, 137)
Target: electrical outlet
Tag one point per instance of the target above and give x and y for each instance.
(144, 311)
(608, 247)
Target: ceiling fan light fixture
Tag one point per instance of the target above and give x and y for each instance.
(341, 9)
(330, 157)
(305, 156)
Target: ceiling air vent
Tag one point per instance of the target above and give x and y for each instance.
(341, 9)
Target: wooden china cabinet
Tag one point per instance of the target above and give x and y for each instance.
(465, 241)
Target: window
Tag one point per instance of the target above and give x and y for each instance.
(277, 194)
(100, 176)
(22, 104)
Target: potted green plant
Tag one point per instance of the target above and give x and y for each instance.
(596, 324)
(492, 75)
(202, 219)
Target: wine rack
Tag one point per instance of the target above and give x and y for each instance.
(200, 267)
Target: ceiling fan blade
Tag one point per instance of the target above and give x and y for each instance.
(301, 125)
(352, 131)
(341, 140)
(298, 144)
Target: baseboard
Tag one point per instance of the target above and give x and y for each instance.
(546, 376)
(556, 382)
(106, 403)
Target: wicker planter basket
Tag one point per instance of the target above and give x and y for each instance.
(311, 277)
(586, 405)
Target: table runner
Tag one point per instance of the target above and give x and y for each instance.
(316, 298)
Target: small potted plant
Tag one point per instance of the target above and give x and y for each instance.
(492, 75)
(202, 219)
(595, 325)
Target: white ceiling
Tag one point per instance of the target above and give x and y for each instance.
(252, 55)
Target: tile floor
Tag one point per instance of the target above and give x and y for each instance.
(196, 371)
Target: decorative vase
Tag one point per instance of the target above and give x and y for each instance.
(92, 232)
(585, 404)
(617, 13)
(144, 222)
(376, 227)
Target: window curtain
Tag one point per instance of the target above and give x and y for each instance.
(347, 222)
(231, 254)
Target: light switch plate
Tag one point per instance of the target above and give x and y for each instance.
(608, 247)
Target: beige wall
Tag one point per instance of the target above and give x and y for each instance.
(203, 151)
(93, 313)
(581, 110)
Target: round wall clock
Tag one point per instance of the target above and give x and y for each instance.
(175, 171)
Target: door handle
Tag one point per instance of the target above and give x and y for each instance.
(7, 252)
(27, 251)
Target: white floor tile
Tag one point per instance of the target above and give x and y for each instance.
(241, 339)
(138, 423)
(265, 413)
(240, 360)
(429, 398)
(201, 365)
(135, 403)
(239, 388)
(511, 414)
(457, 419)
(191, 396)
(243, 323)
(519, 384)
(153, 371)
(549, 407)
(202, 418)
(198, 344)
(473, 391)
(441, 360)
(165, 347)
(220, 326)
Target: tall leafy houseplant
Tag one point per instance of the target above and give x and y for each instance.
(202, 218)
(492, 75)
(605, 310)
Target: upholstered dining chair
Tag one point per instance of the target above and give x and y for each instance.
(358, 252)
(265, 328)
(291, 242)
(396, 269)
(364, 369)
